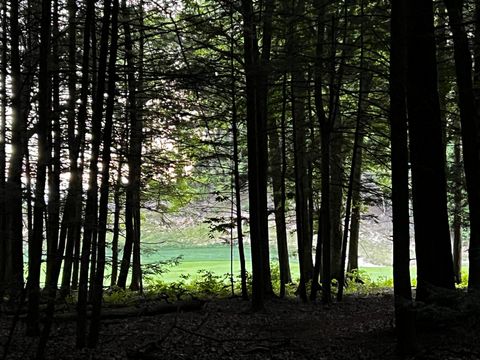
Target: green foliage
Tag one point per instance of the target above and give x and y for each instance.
(118, 296)
(359, 282)
(207, 284)
(290, 289)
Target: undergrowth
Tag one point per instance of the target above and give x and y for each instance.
(208, 285)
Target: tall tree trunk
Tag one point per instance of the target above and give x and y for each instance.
(263, 114)
(432, 236)
(54, 140)
(470, 125)
(277, 174)
(136, 162)
(257, 156)
(476, 56)
(116, 221)
(404, 321)
(132, 206)
(457, 211)
(43, 129)
(236, 163)
(364, 88)
(91, 209)
(71, 206)
(14, 214)
(337, 159)
(3, 159)
(105, 184)
(357, 175)
(323, 248)
(298, 92)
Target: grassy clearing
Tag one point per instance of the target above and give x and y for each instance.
(216, 259)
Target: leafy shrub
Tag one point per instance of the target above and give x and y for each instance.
(359, 282)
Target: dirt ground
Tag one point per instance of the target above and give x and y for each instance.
(358, 328)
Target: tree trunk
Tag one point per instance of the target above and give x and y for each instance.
(3, 159)
(14, 213)
(277, 174)
(404, 321)
(257, 157)
(54, 140)
(470, 125)
(43, 128)
(91, 209)
(323, 248)
(132, 206)
(236, 172)
(298, 92)
(116, 221)
(457, 211)
(136, 131)
(105, 184)
(262, 100)
(357, 176)
(432, 236)
(355, 171)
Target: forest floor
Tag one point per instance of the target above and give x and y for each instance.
(360, 327)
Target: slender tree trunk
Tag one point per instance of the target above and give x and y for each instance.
(70, 207)
(136, 163)
(357, 174)
(3, 159)
(236, 172)
(43, 128)
(257, 157)
(404, 321)
(470, 125)
(457, 211)
(134, 158)
(91, 209)
(14, 214)
(262, 101)
(277, 173)
(298, 92)
(116, 222)
(105, 184)
(54, 139)
(323, 248)
(476, 56)
(364, 88)
(432, 236)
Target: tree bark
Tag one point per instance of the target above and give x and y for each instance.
(3, 158)
(105, 184)
(277, 174)
(14, 213)
(236, 163)
(323, 248)
(355, 169)
(132, 206)
(404, 322)
(91, 209)
(54, 140)
(457, 211)
(43, 128)
(298, 91)
(432, 236)
(116, 221)
(257, 157)
(470, 135)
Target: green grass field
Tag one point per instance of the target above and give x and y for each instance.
(217, 259)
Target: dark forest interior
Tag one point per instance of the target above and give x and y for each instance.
(199, 179)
